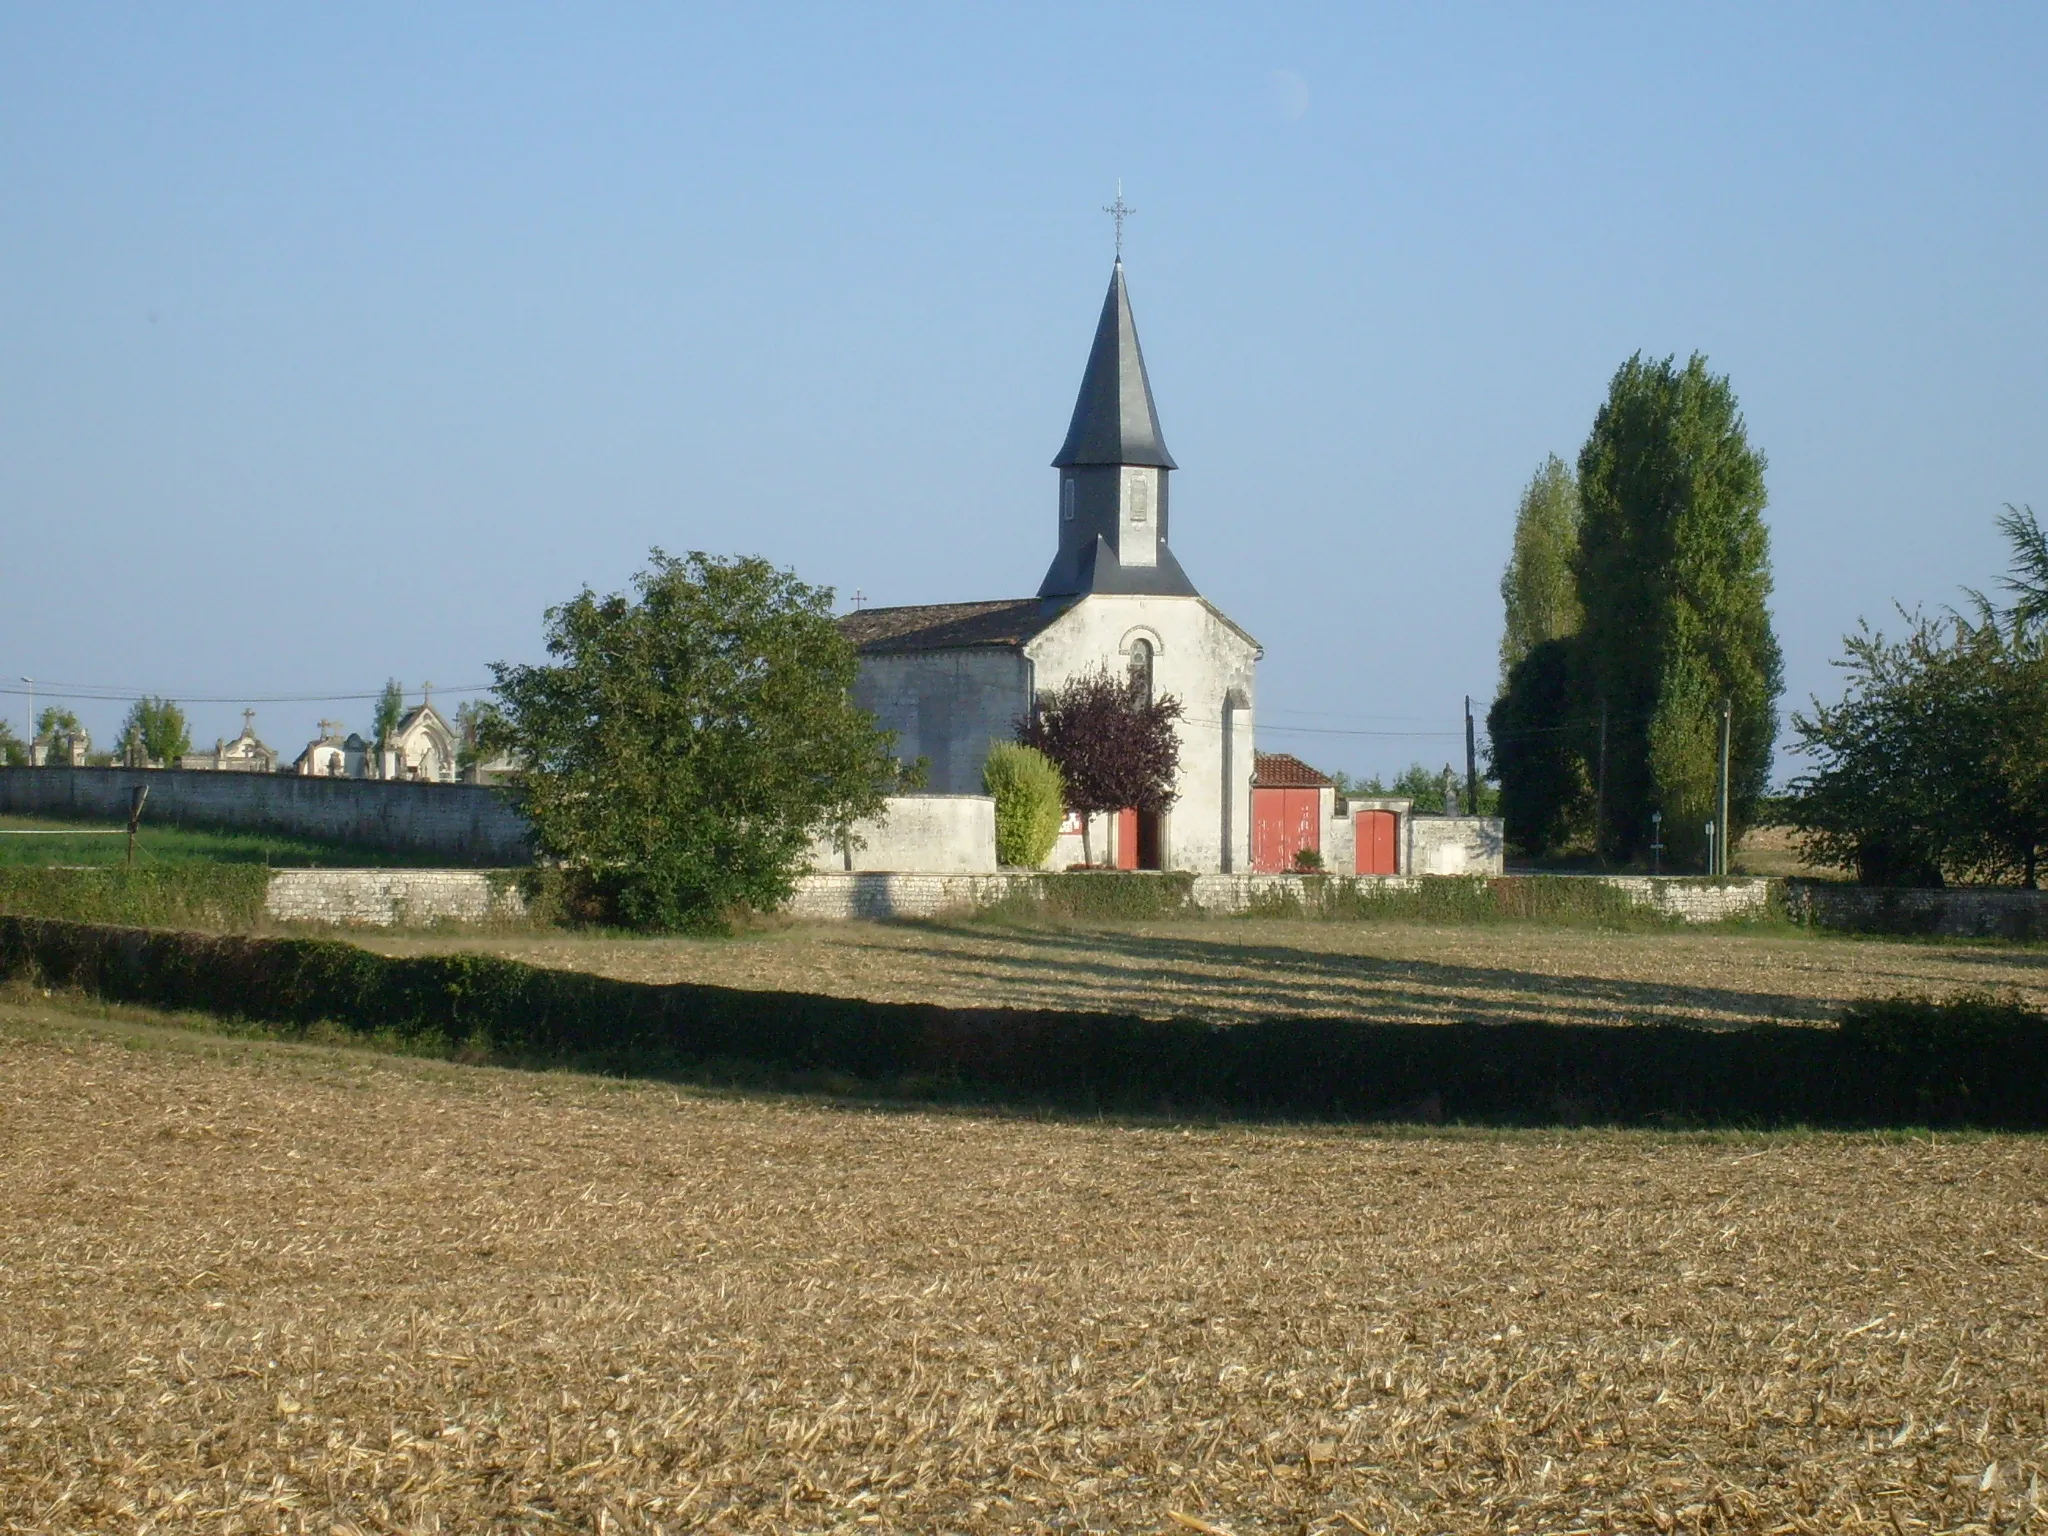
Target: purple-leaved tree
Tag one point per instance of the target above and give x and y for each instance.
(1116, 748)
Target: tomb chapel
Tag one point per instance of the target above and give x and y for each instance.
(953, 678)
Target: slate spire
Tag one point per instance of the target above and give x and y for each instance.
(1115, 421)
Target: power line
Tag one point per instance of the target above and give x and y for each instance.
(107, 693)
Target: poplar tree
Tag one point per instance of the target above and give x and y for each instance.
(1674, 571)
(1539, 589)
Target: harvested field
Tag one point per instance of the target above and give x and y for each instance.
(258, 1287)
(1235, 969)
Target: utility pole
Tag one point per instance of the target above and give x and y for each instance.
(1600, 784)
(31, 712)
(1721, 846)
(1471, 764)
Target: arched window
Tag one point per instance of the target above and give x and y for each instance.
(1067, 500)
(1141, 667)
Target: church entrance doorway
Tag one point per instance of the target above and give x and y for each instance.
(1139, 839)
(1125, 837)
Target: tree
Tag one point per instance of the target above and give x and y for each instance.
(57, 722)
(1115, 747)
(1538, 752)
(691, 738)
(1419, 784)
(13, 750)
(1674, 573)
(479, 727)
(1934, 765)
(1031, 802)
(154, 732)
(390, 710)
(1540, 589)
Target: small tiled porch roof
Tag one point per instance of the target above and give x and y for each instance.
(1283, 770)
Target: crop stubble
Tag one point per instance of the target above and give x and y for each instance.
(267, 1288)
(1228, 970)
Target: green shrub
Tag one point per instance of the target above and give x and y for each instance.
(1031, 802)
(1096, 895)
(1308, 860)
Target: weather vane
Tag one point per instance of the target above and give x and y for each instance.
(1119, 210)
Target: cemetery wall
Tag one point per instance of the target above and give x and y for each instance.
(465, 823)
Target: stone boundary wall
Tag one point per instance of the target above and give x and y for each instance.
(465, 823)
(385, 898)
(1960, 914)
(878, 895)
(1691, 898)
(923, 834)
(390, 898)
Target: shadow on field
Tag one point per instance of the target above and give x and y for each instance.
(1503, 1072)
(1282, 979)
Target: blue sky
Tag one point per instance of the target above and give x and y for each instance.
(336, 343)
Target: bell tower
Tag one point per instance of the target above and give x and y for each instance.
(1113, 472)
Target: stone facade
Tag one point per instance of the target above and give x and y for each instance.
(946, 706)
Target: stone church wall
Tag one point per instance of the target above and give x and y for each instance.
(1200, 660)
(946, 706)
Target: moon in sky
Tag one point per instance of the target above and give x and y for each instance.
(1290, 94)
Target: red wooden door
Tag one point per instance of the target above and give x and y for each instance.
(1126, 839)
(1374, 831)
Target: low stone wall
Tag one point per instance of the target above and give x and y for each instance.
(385, 898)
(464, 823)
(1693, 899)
(390, 898)
(1456, 845)
(928, 834)
(1962, 914)
(877, 895)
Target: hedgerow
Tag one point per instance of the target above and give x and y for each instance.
(1967, 1061)
(195, 895)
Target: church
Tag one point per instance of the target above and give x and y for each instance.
(950, 679)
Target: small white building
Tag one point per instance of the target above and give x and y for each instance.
(334, 756)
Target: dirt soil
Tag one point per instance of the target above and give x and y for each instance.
(248, 1286)
(1235, 969)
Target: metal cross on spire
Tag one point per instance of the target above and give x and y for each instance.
(1119, 210)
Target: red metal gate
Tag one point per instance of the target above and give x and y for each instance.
(1284, 821)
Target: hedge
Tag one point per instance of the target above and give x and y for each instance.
(200, 895)
(1908, 1062)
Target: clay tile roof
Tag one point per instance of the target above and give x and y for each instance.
(945, 626)
(1283, 770)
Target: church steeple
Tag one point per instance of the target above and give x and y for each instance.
(1113, 468)
(1115, 421)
